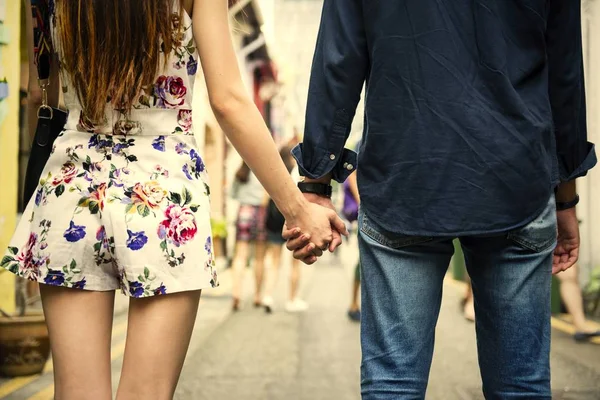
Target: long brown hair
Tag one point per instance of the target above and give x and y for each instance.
(111, 48)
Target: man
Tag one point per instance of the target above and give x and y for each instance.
(475, 114)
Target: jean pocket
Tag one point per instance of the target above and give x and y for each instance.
(541, 233)
(389, 239)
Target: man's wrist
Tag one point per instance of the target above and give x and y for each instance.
(566, 192)
(325, 179)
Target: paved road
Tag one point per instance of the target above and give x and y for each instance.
(315, 355)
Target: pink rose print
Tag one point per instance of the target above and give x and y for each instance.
(179, 227)
(29, 267)
(184, 119)
(169, 91)
(67, 173)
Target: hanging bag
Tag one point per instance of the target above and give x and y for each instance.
(51, 121)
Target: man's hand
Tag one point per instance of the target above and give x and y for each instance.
(567, 247)
(301, 246)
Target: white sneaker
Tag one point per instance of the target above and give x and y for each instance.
(298, 305)
(267, 303)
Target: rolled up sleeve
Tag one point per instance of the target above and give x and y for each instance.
(567, 89)
(339, 70)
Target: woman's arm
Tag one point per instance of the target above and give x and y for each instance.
(245, 127)
(34, 93)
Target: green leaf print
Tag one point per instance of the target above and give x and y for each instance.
(60, 189)
(146, 272)
(140, 278)
(194, 208)
(13, 250)
(187, 197)
(73, 264)
(207, 189)
(163, 245)
(143, 210)
(94, 207)
(175, 198)
(145, 100)
(6, 260)
(14, 268)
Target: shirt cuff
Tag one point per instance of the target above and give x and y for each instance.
(588, 163)
(323, 162)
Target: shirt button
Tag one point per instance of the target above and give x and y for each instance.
(332, 157)
(349, 167)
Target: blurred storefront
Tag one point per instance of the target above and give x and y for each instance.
(10, 61)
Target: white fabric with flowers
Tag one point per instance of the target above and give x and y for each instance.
(125, 204)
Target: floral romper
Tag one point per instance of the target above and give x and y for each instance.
(126, 204)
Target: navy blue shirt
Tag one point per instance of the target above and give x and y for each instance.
(474, 110)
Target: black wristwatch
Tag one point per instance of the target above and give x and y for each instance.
(560, 206)
(321, 189)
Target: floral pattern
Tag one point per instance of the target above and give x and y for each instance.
(124, 203)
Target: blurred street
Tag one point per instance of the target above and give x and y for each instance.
(315, 355)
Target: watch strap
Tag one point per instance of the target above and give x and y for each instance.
(321, 189)
(560, 205)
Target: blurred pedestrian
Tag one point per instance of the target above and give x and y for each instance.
(475, 128)
(570, 293)
(350, 212)
(275, 224)
(123, 201)
(251, 233)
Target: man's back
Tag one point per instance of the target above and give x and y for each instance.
(460, 102)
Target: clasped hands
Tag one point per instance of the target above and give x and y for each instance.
(323, 231)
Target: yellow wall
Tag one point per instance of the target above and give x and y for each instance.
(9, 146)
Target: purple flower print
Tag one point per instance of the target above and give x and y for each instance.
(180, 148)
(75, 232)
(159, 143)
(192, 66)
(101, 234)
(186, 171)
(93, 142)
(54, 278)
(38, 196)
(160, 290)
(136, 240)
(80, 284)
(136, 289)
(198, 163)
(208, 245)
(117, 148)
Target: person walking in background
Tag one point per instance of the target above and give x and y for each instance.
(475, 128)
(350, 212)
(123, 201)
(570, 293)
(275, 224)
(251, 233)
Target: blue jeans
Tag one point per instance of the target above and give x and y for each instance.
(402, 280)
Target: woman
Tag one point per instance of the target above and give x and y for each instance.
(250, 233)
(123, 200)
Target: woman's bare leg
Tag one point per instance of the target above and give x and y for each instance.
(260, 248)
(570, 292)
(80, 326)
(158, 337)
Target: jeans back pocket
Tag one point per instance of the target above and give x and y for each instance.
(539, 234)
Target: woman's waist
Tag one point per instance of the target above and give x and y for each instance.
(147, 122)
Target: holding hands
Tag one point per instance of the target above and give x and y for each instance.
(317, 229)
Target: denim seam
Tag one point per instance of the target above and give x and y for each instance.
(531, 245)
(395, 244)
